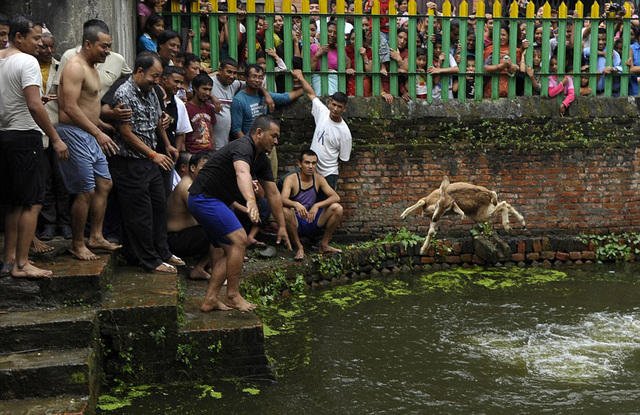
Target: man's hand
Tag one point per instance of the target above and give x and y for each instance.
(61, 149)
(271, 105)
(272, 52)
(173, 153)
(253, 212)
(297, 74)
(47, 98)
(283, 236)
(217, 105)
(166, 120)
(301, 211)
(120, 113)
(109, 148)
(163, 161)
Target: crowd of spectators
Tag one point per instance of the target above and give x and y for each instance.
(146, 156)
(558, 80)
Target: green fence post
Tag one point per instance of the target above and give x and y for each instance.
(593, 48)
(375, 46)
(446, 49)
(462, 78)
(546, 30)
(480, 21)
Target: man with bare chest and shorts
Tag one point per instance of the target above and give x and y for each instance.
(86, 174)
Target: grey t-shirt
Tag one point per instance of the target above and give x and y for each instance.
(225, 94)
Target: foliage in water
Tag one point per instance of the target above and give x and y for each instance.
(491, 278)
(122, 398)
(209, 391)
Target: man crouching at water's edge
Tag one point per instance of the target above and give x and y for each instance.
(227, 177)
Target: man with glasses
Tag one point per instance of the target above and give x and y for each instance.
(248, 105)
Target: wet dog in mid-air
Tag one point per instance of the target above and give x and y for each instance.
(468, 200)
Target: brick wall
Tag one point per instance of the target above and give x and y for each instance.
(565, 175)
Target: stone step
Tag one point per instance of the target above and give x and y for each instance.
(138, 325)
(60, 405)
(227, 344)
(67, 328)
(49, 373)
(73, 283)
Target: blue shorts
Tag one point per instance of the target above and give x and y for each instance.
(307, 229)
(86, 160)
(215, 217)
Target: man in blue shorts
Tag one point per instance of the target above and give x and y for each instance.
(22, 123)
(304, 214)
(86, 174)
(226, 178)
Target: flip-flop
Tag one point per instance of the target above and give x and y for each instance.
(174, 260)
(170, 269)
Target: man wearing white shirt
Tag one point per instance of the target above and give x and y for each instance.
(23, 121)
(332, 137)
(171, 81)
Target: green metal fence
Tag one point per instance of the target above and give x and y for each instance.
(390, 82)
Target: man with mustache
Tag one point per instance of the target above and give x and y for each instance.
(87, 173)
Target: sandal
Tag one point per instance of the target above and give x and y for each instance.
(165, 268)
(174, 260)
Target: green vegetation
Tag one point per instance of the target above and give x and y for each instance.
(613, 247)
(209, 391)
(122, 398)
(186, 353)
(484, 229)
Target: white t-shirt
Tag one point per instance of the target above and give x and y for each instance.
(16, 73)
(184, 125)
(225, 94)
(331, 140)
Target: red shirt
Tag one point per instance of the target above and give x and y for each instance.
(202, 118)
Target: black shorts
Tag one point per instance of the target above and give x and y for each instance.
(21, 173)
(188, 242)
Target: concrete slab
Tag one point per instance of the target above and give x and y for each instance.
(73, 283)
(47, 373)
(65, 328)
(66, 404)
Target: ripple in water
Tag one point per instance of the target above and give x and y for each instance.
(597, 346)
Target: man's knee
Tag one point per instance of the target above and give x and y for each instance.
(336, 210)
(103, 185)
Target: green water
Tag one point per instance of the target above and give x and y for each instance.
(468, 342)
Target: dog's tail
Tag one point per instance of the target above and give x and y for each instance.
(413, 208)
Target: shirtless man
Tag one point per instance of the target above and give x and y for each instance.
(306, 216)
(186, 237)
(87, 173)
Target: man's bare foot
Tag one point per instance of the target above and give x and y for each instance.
(198, 273)
(165, 268)
(254, 243)
(299, 255)
(83, 254)
(39, 247)
(29, 271)
(213, 305)
(326, 249)
(102, 244)
(240, 303)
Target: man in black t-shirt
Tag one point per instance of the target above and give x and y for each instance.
(227, 177)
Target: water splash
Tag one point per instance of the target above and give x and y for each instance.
(596, 346)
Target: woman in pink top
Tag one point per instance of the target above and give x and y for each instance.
(331, 50)
(565, 86)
